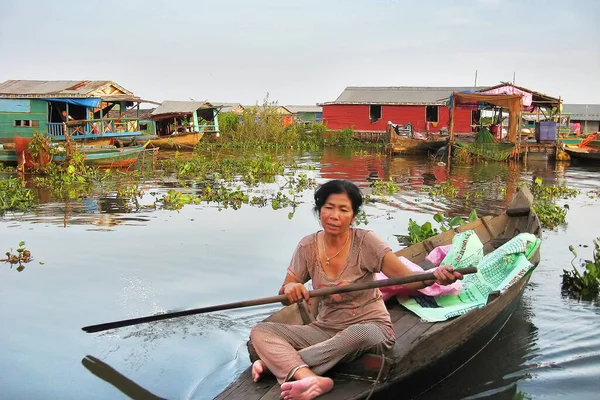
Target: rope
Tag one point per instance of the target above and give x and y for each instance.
(377, 379)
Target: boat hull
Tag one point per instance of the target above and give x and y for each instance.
(583, 153)
(184, 141)
(424, 353)
(108, 158)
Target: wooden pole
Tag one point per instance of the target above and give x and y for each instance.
(451, 133)
(273, 299)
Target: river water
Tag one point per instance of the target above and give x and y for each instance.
(104, 262)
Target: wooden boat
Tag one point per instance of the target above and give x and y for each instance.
(107, 156)
(583, 153)
(178, 141)
(424, 352)
(408, 144)
(8, 155)
(99, 156)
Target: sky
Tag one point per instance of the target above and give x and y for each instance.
(303, 52)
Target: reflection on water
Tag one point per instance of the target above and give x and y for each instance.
(107, 259)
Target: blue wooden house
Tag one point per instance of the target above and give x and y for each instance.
(81, 108)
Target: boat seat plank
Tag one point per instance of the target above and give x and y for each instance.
(245, 388)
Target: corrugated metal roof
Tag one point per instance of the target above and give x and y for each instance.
(398, 95)
(304, 109)
(582, 112)
(28, 88)
(227, 107)
(180, 107)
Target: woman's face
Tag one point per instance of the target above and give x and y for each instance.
(336, 214)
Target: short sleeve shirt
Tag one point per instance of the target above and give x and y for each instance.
(364, 260)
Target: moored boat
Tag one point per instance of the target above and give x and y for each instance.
(405, 141)
(583, 153)
(177, 141)
(99, 156)
(108, 156)
(424, 352)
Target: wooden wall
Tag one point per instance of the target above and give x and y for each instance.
(340, 116)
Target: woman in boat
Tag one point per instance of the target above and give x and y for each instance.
(347, 324)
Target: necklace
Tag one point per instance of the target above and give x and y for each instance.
(336, 254)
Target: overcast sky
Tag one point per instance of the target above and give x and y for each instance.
(303, 52)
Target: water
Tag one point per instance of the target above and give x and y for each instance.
(104, 263)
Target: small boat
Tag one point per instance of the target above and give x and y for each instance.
(107, 156)
(408, 143)
(583, 153)
(425, 353)
(8, 155)
(177, 141)
(99, 156)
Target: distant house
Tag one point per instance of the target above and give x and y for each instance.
(370, 108)
(587, 115)
(306, 114)
(235, 108)
(286, 115)
(185, 117)
(83, 106)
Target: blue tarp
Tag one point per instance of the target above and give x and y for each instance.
(86, 102)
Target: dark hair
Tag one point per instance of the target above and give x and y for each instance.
(338, 186)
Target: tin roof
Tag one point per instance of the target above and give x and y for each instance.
(33, 89)
(398, 95)
(305, 109)
(227, 107)
(180, 107)
(582, 112)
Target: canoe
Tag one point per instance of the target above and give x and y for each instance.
(583, 153)
(178, 141)
(425, 353)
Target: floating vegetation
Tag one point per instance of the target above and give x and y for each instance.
(382, 188)
(14, 196)
(550, 214)
(462, 156)
(445, 190)
(418, 233)
(586, 284)
(22, 256)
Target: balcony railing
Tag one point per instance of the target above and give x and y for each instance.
(90, 128)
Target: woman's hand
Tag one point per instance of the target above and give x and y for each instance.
(295, 292)
(446, 275)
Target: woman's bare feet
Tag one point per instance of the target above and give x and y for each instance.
(259, 368)
(306, 388)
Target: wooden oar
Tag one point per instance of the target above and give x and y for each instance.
(273, 299)
(115, 378)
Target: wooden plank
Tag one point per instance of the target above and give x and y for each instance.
(245, 388)
(488, 226)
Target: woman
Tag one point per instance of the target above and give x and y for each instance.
(348, 324)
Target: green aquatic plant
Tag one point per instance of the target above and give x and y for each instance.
(381, 188)
(550, 214)
(445, 189)
(584, 284)
(14, 196)
(418, 233)
(22, 256)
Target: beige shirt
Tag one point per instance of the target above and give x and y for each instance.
(364, 260)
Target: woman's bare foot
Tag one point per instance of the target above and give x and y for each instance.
(259, 368)
(306, 388)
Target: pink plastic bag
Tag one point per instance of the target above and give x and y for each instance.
(437, 255)
(433, 290)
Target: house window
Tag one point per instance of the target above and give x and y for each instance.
(432, 114)
(26, 123)
(143, 127)
(374, 113)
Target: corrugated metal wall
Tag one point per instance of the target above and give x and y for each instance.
(340, 116)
